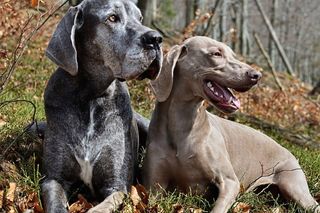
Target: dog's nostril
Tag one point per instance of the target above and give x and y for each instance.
(254, 75)
(159, 39)
(151, 39)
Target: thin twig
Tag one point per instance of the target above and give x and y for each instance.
(272, 173)
(22, 45)
(25, 129)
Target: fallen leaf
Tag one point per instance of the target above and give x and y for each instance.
(9, 169)
(3, 53)
(178, 208)
(134, 196)
(1, 198)
(317, 197)
(10, 195)
(196, 210)
(81, 206)
(34, 3)
(30, 203)
(2, 122)
(277, 210)
(143, 193)
(241, 207)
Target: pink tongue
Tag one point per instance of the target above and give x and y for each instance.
(227, 94)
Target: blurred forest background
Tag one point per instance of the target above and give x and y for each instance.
(278, 37)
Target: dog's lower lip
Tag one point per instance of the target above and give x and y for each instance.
(151, 72)
(221, 97)
(242, 89)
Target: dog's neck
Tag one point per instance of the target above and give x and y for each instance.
(95, 77)
(181, 116)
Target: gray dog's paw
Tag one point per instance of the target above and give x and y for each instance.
(110, 204)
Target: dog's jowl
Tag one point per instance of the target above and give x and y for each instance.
(92, 132)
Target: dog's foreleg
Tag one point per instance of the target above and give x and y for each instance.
(110, 204)
(228, 191)
(54, 197)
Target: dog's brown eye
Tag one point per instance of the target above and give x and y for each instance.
(141, 19)
(113, 18)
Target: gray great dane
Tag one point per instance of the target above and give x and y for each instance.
(192, 149)
(92, 132)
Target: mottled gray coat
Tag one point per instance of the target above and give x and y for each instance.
(92, 133)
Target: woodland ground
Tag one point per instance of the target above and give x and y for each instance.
(291, 111)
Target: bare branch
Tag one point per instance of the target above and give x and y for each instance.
(25, 129)
(22, 44)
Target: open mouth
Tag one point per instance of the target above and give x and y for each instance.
(221, 97)
(152, 71)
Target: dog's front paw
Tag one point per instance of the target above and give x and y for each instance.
(110, 204)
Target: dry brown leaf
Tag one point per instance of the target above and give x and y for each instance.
(10, 195)
(34, 3)
(195, 210)
(30, 202)
(81, 206)
(134, 196)
(1, 198)
(143, 193)
(241, 207)
(317, 197)
(9, 169)
(2, 122)
(3, 53)
(139, 197)
(178, 208)
(277, 210)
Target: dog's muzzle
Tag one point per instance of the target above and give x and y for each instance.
(152, 40)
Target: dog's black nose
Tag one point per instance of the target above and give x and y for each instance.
(151, 40)
(254, 75)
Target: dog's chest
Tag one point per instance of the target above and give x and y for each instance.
(185, 171)
(103, 132)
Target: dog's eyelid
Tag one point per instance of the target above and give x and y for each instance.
(215, 53)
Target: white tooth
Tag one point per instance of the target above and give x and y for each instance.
(212, 89)
(221, 96)
(229, 101)
(209, 84)
(216, 93)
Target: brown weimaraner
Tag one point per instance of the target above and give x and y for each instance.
(192, 149)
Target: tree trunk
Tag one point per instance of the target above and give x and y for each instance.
(275, 38)
(244, 27)
(268, 59)
(149, 10)
(223, 20)
(271, 46)
(190, 11)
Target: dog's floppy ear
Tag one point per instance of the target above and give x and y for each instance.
(162, 85)
(62, 48)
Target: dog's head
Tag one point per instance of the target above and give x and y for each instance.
(209, 69)
(108, 32)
